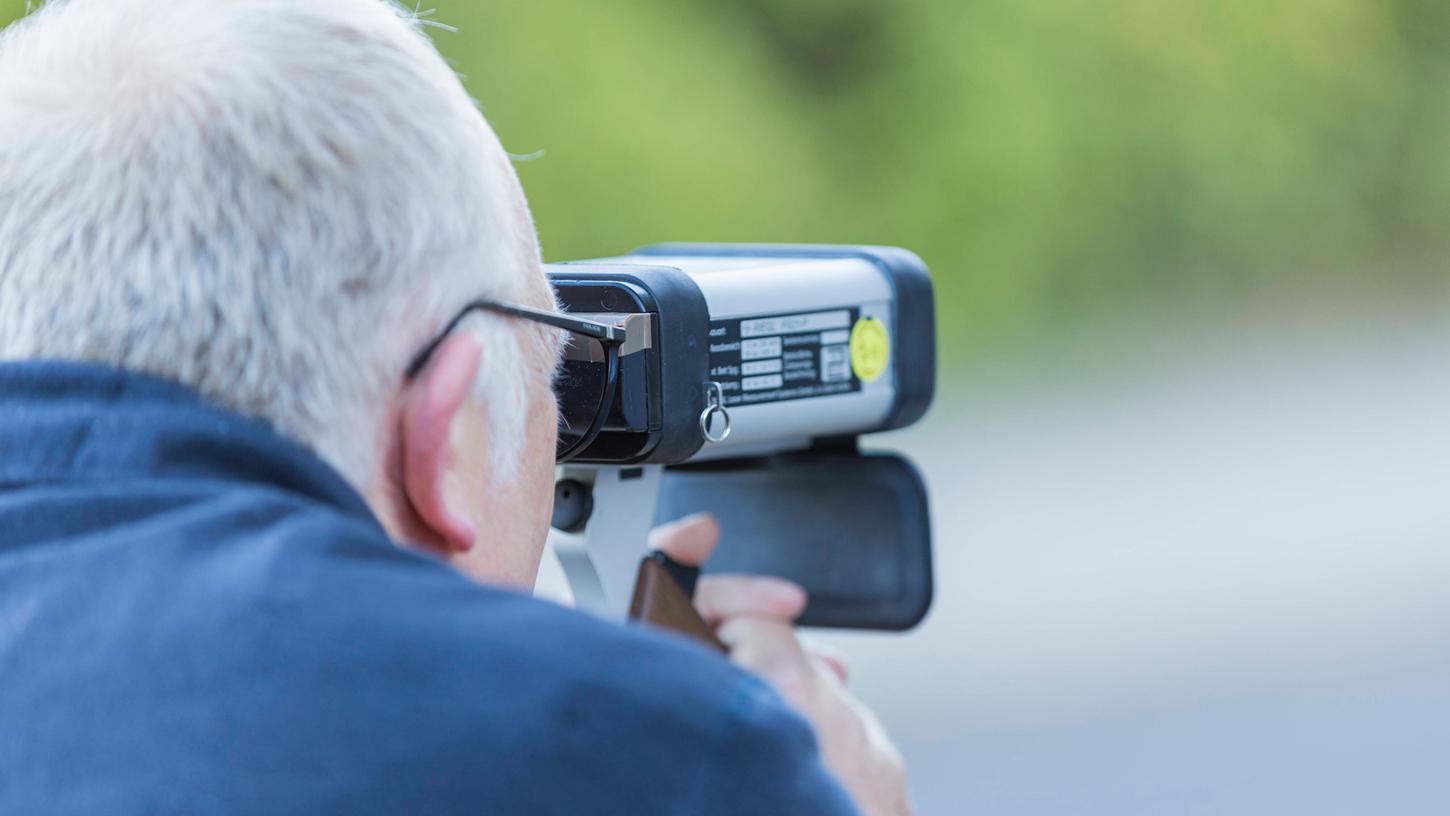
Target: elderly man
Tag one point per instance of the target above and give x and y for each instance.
(235, 540)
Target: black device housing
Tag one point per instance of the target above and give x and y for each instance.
(852, 529)
(661, 390)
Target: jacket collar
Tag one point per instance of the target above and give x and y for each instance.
(72, 422)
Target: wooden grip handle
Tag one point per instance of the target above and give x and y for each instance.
(660, 600)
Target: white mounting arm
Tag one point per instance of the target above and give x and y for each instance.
(601, 560)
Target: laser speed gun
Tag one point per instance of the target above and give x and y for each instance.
(738, 380)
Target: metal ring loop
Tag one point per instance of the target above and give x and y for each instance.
(715, 404)
(707, 415)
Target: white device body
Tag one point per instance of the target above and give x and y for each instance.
(751, 288)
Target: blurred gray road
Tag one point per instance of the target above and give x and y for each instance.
(1216, 582)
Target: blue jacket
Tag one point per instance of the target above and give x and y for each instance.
(198, 616)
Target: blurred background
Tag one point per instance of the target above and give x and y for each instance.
(1189, 456)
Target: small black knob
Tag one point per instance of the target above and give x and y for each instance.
(609, 301)
(573, 504)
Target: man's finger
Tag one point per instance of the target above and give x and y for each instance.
(689, 540)
(770, 649)
(758, 643)
(831, 661)
(722, 597)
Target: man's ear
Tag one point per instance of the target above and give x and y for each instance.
(430, 406)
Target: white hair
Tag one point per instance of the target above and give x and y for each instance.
(272, 201)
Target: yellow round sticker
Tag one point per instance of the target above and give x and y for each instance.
(870, 348)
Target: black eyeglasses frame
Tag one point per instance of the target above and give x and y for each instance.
(609, 336)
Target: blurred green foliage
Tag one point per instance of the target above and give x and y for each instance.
(1048, 159)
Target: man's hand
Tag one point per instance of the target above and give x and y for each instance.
(754, 616)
